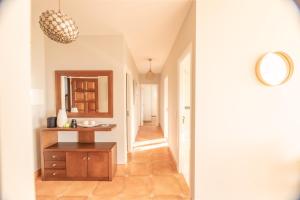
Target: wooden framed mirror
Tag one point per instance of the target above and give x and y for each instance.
(85, 93)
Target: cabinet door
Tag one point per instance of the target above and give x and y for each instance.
(98, 164)
(76, 164)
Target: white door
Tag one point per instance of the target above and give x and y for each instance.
(166, 107)
(154, 104)
(185, 114)
(147, 102)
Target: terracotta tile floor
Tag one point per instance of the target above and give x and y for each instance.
(149, 175)
(149, 133)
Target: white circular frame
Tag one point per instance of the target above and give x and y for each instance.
(274, 68)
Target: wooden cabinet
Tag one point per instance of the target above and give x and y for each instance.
(76, 164)
(80, 161)
(96, 164)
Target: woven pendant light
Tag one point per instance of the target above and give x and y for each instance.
(58, 26)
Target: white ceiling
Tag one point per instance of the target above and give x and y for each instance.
(149, 26)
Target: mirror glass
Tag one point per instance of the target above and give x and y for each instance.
(83, 94)
(274, 68)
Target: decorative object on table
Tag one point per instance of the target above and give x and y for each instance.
(74, 110)
(88, 124)
(51, 122)
(62, 118)
(274, 68)
(58, 26)
(73, 123)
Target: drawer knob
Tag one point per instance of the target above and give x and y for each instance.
(54, 165)
(53, 174)
(53, 156)
(84, 158)
(89, 158)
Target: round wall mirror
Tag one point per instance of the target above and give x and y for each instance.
(274, 68)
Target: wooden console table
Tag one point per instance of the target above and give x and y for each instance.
(82, 160)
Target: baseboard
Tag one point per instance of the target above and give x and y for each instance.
(37, 173)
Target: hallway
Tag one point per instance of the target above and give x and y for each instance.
(149, 175)
(149, 133)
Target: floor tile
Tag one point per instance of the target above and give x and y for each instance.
(73, 198)
(161, 157)
(163, 168)
(51, 188)
(139, 169)
(163, 150)
(169, 197)
(104, 198)
(149, 133)
(166, 185)
(46, 198)
(122, 170)
(139, 157)
(110, 188)
(137, 186)
(132, 197)
(80, 188)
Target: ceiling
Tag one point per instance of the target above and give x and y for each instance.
(150, 27)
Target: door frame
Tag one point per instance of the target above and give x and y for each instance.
(166, 107)
(129, 113)
(187, 52)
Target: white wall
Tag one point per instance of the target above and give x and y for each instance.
(16, 147)
(185, 38)
(38, 76)
(133, 102)
(247, 141)
(93, 53)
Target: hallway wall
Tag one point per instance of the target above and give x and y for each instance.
(247, 141)
(185, 38)
(133, 105)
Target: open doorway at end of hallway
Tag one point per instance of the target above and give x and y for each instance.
(149, 105)
(150, 134)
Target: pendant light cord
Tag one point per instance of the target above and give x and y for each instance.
(59, 5)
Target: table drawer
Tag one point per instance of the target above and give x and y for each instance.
(55, 173)
(53, 155)
(55, 164)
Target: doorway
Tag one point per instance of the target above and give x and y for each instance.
(184, 117)
(150, 104)
(150, 134)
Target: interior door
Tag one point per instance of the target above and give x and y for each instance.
(76, 164)
(98, 164)
(185, 115)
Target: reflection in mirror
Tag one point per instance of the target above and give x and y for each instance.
(85, 94)
(103, 93)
